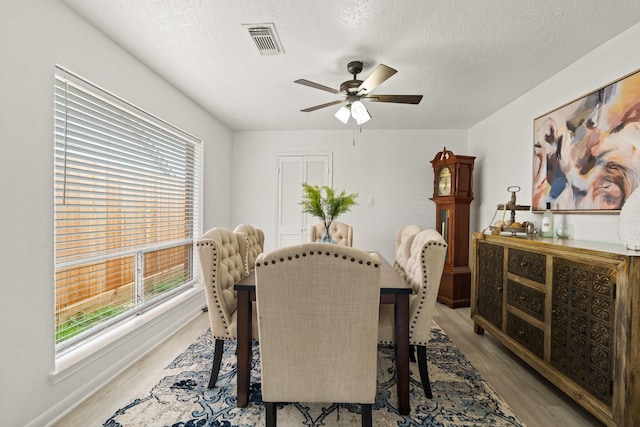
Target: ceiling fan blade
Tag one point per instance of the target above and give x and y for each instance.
(316, 85)
(398, 99)
(328, 104)
(379, 75)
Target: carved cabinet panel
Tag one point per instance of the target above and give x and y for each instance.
(569, 309)
(490, 282)
(582, 328)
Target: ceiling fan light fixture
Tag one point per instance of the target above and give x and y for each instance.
(360, 113)
(343, 114)
(363, 121)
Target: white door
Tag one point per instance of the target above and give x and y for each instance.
(293, 170)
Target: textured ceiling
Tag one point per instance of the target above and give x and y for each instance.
(467, 57)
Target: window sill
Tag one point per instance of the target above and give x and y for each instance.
(87, 353)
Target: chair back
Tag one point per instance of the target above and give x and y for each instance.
(423, 271)
(317, 308)
(340, 232)
(255, 243)
(426, 263)
(404, 240)
(222, 262)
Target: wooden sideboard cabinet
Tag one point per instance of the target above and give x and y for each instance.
(569, 309)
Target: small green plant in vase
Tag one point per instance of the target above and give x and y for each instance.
(325, 203)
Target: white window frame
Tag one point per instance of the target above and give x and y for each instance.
(190, 225)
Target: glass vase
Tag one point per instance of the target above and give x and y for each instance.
(629, 221)
(327, 237)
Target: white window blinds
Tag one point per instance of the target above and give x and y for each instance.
(127, 188)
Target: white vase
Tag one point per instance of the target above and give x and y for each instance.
(629, 221)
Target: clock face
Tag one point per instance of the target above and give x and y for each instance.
(444, 182)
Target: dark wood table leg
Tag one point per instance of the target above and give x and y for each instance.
(244, 348)
(402, 352)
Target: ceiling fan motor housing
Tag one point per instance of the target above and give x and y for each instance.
(350, 86)
(354, 67)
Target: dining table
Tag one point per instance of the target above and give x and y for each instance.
(393, 290)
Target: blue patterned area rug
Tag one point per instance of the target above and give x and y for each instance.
(461, 397)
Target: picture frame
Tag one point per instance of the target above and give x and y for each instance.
(586, 153)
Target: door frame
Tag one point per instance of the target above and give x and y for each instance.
(281, 154)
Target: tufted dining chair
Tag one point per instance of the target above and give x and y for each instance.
(222, 255)
(255, 243)
(338, 231)
(307, 353)
(423, 272)
(404, 239)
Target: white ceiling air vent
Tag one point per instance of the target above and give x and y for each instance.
(265, 38)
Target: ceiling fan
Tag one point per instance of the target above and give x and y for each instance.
(354, 91)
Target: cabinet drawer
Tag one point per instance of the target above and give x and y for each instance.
(526, 334)
(530, 265)
(529, 300)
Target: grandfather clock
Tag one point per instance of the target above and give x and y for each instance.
(452, 194)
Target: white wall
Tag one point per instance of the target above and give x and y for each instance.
(390, 166)
(35, 35)
(503, 142)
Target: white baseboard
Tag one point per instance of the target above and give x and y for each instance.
(121, 353)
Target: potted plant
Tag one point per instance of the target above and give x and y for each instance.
(324, 203)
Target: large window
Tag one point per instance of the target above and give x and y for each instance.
(126, 209)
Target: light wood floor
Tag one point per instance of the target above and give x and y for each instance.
(537, 402)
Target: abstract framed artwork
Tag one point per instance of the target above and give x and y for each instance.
(586, 154)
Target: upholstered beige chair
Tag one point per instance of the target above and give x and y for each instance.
(222, 255)
(423, 272)
(323, 346)
(404, 239)
(255, 243)
(340, 232)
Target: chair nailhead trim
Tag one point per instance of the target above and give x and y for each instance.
(423, 289)
(328, 253)
(212, 287)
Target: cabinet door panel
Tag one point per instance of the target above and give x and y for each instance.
(490, 282)
(582, 331)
